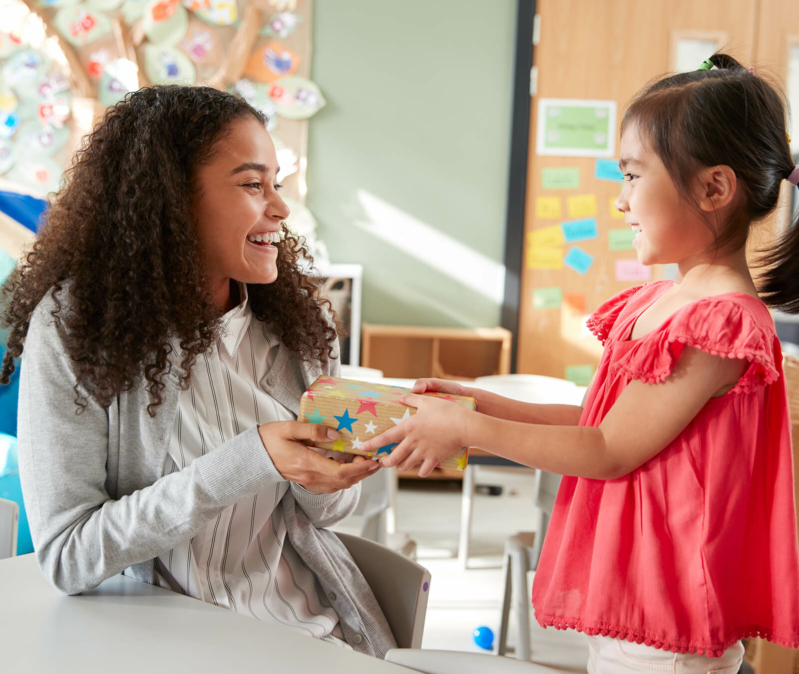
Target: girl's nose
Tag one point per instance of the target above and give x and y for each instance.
(620, 203)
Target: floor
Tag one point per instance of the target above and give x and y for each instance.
(461, 600)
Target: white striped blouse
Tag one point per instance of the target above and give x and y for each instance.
(243, 559)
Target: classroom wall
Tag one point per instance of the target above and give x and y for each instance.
(408, 163)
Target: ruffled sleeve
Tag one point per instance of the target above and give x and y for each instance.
(602, 320)
(731, 327)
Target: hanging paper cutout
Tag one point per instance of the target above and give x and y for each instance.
(104, 5)
(165, 21)
(271, 62)
(120, 76)
(57, 3)
(97, 61)
(257, 95)
(199, 44)
(196, 5)
(132, 10)
(6, 156)
(24, 71)
(39, 173)
(80, 26)
(8, 100)
(9, 123)
(296, 98)
(167, 65)
(287, 159)
(281, 25)
(219, 12)
(284, 5)
(54, 112)
(37, 139)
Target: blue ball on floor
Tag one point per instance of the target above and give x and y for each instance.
(484, 637)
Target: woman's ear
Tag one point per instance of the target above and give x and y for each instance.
(715, 187)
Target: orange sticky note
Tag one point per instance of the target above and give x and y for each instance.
(548, 208)
(546, 237)
(615, 213)
(582, 206)
(544, 258)
(575, 302)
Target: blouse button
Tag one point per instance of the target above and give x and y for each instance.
(332, 596)
(270, 381)
(357, 638)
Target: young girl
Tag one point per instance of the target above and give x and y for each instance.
(674, 532)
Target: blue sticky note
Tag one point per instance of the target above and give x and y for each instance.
(608, 169)
(579, 230)
(578, 260)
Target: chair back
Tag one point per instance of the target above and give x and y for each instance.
(373, 504)
(9, 522)
(545, 491)
(401, 587)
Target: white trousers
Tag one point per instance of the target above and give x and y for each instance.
(614, 656)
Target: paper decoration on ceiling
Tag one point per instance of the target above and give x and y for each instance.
(272, 62)
(81, 25)
(6, 155)
(9, 123)
(257, 95)
(8, 45)
(57, 3)
(219, 12)
(167, 65)
(165, 21)
(296, 98)
(196, 5)
(287, 159)
(120, 76)
(36, 139)
(40, 173)
(104, 5)
(54, 112)
(201, 46)
(8, 100)
(97, 61)
(24, 71)
(132, 10)
(284, 5)
(281, 25)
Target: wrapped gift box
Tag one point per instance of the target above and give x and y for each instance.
(360, 410)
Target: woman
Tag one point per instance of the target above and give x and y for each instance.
(168, 335)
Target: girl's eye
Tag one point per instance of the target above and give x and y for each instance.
(629, 177)
(278, 186)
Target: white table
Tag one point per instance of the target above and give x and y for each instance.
(127, 627)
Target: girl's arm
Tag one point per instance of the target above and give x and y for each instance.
(643, 421)
(499, 407)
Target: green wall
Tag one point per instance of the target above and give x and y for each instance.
(408, 162)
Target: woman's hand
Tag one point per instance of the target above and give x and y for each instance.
(298, 463)
(435, 432)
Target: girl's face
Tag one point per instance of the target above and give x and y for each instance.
(236, 204)
(668, 229)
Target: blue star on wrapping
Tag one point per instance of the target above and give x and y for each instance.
(315, 418)
(355, 386)
(345, 421)
(386, 449)
(371, 394)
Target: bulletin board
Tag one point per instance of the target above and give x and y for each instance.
(578, 249)
(55, 86)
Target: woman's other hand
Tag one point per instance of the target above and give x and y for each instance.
(298, 463)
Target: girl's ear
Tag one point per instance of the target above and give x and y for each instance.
(716, 187)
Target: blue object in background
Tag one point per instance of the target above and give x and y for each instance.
(9, 402)
(483, 637)
(11, 489)
(25, 209)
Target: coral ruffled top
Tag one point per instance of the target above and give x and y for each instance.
(697, 548)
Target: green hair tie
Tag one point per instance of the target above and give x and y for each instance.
(706, 65)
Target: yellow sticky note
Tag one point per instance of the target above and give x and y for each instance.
(615, 213)
(582, 206)
(544, 258)
(546, 237)
(548, 208)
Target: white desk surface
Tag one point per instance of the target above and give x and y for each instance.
(127, 627)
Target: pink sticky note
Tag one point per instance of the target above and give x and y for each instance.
(632, 270)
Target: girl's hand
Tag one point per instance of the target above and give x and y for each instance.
(298, 463)
(435, 432)
(441, 386)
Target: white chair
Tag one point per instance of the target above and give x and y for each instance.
(400, 585)
(529, 388)
(9, 521)
(446, 662)
(522, 553)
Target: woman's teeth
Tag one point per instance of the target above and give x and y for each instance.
(265, 239)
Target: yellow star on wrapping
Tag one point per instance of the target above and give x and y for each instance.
(382, 388)
(339, 445)
(340, 394)
(462, 461)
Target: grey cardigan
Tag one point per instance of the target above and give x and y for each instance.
(97, 501)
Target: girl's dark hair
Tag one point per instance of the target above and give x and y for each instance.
(121, 239)
(728, 116)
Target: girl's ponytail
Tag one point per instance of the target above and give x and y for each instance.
(779, 284)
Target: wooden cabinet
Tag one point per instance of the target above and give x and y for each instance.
(448, 353)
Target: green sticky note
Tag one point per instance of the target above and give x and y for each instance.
(560, 178)
(547, 298)
(621, 239)
(580, 374)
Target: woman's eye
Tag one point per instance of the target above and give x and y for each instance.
(629, 177)
(253, 185)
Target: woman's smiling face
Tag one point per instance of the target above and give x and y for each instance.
(238, 209)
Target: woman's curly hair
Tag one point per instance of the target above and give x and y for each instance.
(121, 238)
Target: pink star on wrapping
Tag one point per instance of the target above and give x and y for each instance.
(325, 380)
(367, 406)
(448, 397)
(308, 394)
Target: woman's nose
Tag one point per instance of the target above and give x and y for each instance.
(278, 209)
